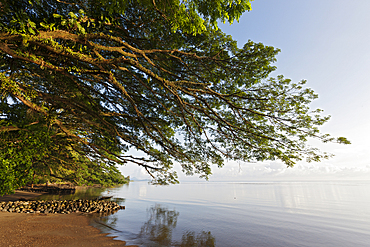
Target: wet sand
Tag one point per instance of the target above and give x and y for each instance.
(21, 229)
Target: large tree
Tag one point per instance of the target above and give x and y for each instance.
(158, 77)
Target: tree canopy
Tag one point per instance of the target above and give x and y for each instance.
(83, 82)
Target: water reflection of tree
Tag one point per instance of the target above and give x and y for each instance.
(191, 239)
(160, 225)
(87, 193)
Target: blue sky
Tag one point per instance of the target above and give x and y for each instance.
(326, 43)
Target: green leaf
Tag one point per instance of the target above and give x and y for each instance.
(71, 14)
(31, 30)
(57, 16)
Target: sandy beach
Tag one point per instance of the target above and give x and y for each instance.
(21, 229)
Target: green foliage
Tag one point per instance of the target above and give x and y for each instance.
(107, 76)
(34, 152)
(193, 17)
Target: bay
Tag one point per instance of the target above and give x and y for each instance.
(317, 213)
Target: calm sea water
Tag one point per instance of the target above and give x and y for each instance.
(243, 214)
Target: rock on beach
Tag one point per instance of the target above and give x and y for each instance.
(61, 207)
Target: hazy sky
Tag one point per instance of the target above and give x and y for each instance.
(327, 43)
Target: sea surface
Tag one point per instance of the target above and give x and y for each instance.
(325, 213)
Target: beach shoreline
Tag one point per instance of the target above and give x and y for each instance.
(37, 229)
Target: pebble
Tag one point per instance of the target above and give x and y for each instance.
(61, 207)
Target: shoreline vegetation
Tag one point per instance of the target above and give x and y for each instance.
(32, 227)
